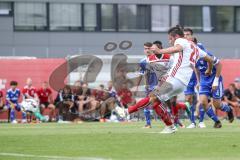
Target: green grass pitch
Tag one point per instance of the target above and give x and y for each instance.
(117, 141)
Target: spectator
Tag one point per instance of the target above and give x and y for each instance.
(126, 96)
(231, 98)
(99, 93)
(109, 104)
(12, 98)
(237, 90)
(46, 100)
(29, 91)
(65, 102)
(87, 101)
(77, 89)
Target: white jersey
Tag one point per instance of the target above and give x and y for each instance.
(30, 105)
(184, 61)
(159, 66)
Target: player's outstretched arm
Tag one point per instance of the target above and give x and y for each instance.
(170, 50)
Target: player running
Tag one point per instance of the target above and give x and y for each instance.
(212, 87)
(185, 54)
(190, 94)
(149, 66)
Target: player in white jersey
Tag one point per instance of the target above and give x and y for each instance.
(185, 54)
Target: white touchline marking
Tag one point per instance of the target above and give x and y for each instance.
(51, 157)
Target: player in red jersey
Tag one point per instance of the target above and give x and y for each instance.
(46, 99)
(28, 91)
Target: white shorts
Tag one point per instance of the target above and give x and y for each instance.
(168, 89)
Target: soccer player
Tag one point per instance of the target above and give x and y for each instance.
(211, 86)
(46, 100)
(29, 92)
(190, 94)
(148, 71)
(12, 98)
(185, 54)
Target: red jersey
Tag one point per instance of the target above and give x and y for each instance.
(158, 58)
(30, 91)
(99, 95)
(43, 94)
(126, 96)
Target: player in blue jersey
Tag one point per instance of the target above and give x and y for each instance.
(190, 94)
(12, 98)
(212, 87)
(150, 80)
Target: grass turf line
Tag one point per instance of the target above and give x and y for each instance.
(118, 141)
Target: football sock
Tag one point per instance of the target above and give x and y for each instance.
(201, 113)
(141, 104)
(211, 114)
(225, 107)
(147, 114)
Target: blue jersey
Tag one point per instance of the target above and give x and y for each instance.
(190, 89)
(13, 96)
(152, 79)
(202, 66)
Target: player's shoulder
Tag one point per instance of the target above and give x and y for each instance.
(166, 56)
(9, 90)
(181, 40)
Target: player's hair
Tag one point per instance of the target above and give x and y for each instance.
(148, 44)
(176, 31)
(13, 83)
(159, 44)
(195, 40)
(188, 30)
(101, 85)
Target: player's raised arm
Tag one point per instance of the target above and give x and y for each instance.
(170, 50)
(176, 40)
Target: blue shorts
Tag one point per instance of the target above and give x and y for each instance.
(190, 90)
(17, 106)
(207, 90)
(150, 89)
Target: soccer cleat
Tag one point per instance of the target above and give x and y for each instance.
(218, 124)
(14, 121)
(192, 125)
(120, 111)
(169, 130)
(230, 116)
(147, 126)
(201, 125)
(182, 126)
